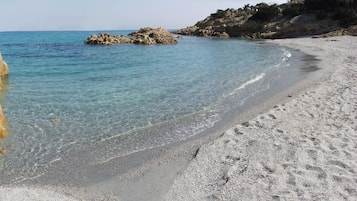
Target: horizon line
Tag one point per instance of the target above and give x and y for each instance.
(73, 30)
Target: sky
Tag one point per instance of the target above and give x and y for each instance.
(36, 15)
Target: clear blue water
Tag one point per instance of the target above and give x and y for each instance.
(128, 97)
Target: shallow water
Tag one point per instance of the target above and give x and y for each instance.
(63, 95)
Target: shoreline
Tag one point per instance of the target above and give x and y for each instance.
(152, 180)
(302, 149)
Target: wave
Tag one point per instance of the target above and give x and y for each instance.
(285, 58)
(286, 55)
(249, 82)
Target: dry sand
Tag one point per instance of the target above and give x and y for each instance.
(32, 194)
(305, 149)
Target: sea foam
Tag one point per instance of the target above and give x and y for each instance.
(249, 82)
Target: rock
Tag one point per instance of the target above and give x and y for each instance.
(187, 31)
(221, 34)
(219, 24)
(106, 39)
(352, 30)
(3, 129)
(56, 121)
(4, 70)
(149, 36)
(146, 36)
(339, 32)
(143, 39)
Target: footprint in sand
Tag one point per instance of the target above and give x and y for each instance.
(238, 132)
(321, 174)
(341, 164)
(271, 116)
(291, 179)
(269, 168)
(312, 154)
(315, 141)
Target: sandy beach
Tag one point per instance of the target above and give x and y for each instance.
(302, 148)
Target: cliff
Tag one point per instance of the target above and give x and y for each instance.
(275, 21)
(4, 71)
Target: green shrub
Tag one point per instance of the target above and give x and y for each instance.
(265, 12)
(321, 16)
(348, 22)
(291, 11)
(340, 15)
(345, 18)
(325, 5)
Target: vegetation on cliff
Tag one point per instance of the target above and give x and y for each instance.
(325, 18)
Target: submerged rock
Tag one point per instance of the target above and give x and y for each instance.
(146, 36)
(3, 130)
(56, 121)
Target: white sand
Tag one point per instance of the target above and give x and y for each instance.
(32, 194)
(305, 149)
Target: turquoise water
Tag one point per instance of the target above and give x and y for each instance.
(128, 97)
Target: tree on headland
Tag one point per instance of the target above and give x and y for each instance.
(296, 1)
(320, 4)
(329, 5)
(265, 12)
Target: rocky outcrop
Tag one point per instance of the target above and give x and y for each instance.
(219, 24)
(352, 31)
(106, 39)
(150, 36)
(269, 22)
(145, 36)
(4, 71)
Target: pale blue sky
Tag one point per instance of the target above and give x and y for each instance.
(19, 15)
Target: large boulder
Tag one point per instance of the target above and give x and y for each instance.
(149, 36)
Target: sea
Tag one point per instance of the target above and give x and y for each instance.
(63, 96)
